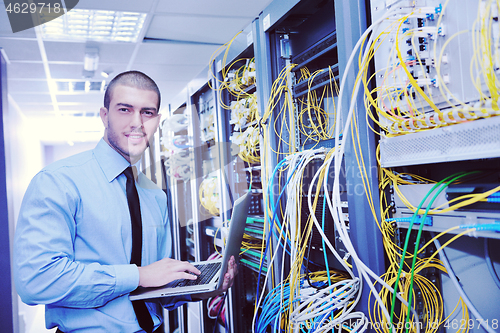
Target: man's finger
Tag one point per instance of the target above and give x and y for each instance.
(188, 267)
(189, 276)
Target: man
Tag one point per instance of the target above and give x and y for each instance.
(73, 243)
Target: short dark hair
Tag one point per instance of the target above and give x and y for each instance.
(133, 79)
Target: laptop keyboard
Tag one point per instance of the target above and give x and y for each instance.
(208, 271)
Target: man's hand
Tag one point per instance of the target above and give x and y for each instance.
(165, 271)
(232, 270)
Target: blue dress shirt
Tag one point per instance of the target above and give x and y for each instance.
(73, 243)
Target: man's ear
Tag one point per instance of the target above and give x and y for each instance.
(104, 116)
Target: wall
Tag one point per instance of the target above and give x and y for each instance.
(57, 151)
(8, 304)
(24, 161)
(31, 146)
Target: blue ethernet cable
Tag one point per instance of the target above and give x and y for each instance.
(275, 211)
(270, 186)
(483, 227)
(270, 307)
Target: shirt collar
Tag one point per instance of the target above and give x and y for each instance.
(110, 161)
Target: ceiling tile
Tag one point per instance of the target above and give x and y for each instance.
(175, 54)
(64, 51)
(169, 90)
(27, 98)
(83, 108)
(22, 70)
(30, 86)
(116, 52)
(201, 29)
(142, 6)
(74, 71)
(17, 49)
(235, 8)
(93, 98)
(73, 51)
(38, 108)
(182, 73)
(63, 71)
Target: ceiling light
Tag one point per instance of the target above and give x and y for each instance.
(105, 73)
(88, 25)
(91, 59)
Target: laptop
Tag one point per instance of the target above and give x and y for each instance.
(212, 271)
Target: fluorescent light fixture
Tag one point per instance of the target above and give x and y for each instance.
(95, 25)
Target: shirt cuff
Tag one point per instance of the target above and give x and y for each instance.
(127, 278)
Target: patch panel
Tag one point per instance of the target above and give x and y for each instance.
(206, 107)
(421, 54)
(473, 214)
(256, 204)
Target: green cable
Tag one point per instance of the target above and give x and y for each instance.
(407, 241)
(417, 242)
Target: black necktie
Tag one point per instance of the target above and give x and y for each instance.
(141, 311)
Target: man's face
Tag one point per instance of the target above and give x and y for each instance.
(131, 120)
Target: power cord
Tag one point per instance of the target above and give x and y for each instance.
(454, 279)
(489, 263)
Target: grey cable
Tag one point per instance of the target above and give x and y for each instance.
(489, 263)
(465, 298)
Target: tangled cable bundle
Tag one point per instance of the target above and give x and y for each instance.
(209, 194)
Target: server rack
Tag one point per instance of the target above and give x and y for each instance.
(303, 34)
(210, 157)
(444, 131)
(321, 35)
(238, 115)
(305, 37)
(206, 205)
(187, 140)
(176, 171)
